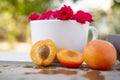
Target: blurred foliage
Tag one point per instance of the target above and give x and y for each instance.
(14, 13)
(15, 26)
(24, 7)
(116, 5)
(112, 18)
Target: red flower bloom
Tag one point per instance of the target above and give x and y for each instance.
(65, 13)
(33, 16)
(82, 17)
(89, 17)
(46, 15)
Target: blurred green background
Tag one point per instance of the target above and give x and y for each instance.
(14, 24)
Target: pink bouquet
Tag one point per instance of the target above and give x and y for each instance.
(65, 13)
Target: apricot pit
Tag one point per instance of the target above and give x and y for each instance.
(43, 52)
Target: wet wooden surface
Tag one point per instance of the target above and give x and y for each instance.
(10, 70)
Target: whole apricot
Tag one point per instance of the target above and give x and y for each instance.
(69, 58)
(100, 54)
(43, 52)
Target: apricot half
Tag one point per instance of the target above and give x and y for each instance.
(100, 54)
(69, 58)
(43, 52)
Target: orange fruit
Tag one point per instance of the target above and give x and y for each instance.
(43, 52)
(69, 58)
(100, 54)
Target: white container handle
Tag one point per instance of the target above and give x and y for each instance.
(94, 32)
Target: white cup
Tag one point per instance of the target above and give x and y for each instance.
(65, 34)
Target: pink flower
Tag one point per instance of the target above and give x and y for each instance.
(89, 17)
(33, 16)
(46, 15)
(82, 17)
(65, 13)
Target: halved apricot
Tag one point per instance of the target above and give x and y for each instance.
(69, 58)
(43, 52)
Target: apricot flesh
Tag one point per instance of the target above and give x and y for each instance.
(69, 58)
(43, 52)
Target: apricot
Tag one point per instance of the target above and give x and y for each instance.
(100, 54)
(43, 52)
(69, 58)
